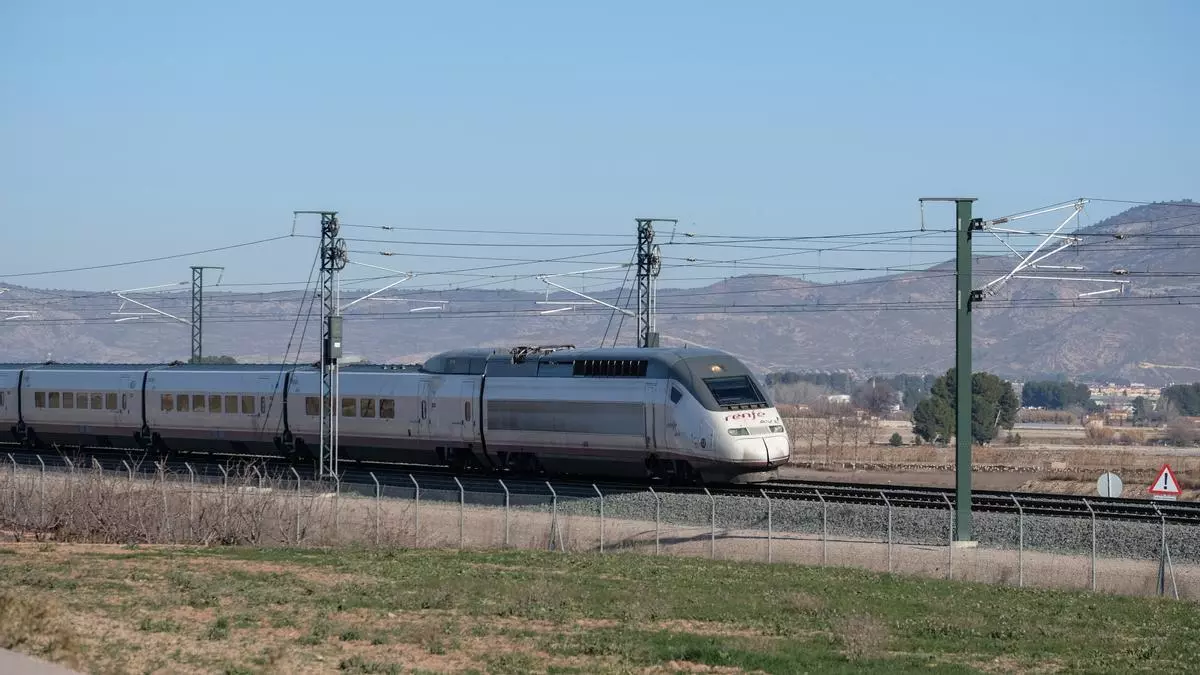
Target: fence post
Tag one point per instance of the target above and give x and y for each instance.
(824, 529)
(14, 485)
(712, 547)
(656, 520)
(378, 505)
(70, 478)
(888, 504)
(416, 513)
(1162, 552)
(601, 494)
(769, 527)
(554, 529)
(337, 508)
(462, 506)
(506, 510)
(950, 537)
(128, 470)
(42, 495)
(224, 499)
(191, 501)
(166, 518)
(1093, 514)
(1020, 543)
(299, 503)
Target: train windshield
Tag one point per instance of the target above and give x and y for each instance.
(736, 390)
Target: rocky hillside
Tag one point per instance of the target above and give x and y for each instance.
(773, 322)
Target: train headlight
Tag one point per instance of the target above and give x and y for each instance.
(777, 428)
(739, 431)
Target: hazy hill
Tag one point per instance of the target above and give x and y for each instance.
(801, 325)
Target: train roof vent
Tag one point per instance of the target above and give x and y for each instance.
(610, 367)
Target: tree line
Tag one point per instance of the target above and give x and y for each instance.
(1055, 395)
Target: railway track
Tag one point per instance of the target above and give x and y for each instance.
(392, 477)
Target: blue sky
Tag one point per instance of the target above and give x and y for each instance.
(135, 129)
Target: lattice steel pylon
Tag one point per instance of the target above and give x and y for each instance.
(198, 310)
(333, 260)
(649, 264)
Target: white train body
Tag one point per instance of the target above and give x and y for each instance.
(685, 413)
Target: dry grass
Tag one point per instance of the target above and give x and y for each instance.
(113, 609)
(37, 626)
(863, 636)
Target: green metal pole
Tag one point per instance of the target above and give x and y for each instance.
(963, 374)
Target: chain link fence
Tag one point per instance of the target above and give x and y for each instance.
(70, 502)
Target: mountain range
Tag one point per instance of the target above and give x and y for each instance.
(898, 323)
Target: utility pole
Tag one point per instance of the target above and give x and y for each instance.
(649, 264)
(965, 297)
(198, 310)
(333, 260)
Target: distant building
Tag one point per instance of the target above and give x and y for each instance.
(839, 398)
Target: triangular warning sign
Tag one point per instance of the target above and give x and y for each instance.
(1165, 484)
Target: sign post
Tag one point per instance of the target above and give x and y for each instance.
(1165, 487)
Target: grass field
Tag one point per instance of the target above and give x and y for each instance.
(109, 609)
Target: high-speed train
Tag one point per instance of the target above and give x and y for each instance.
(685, 415)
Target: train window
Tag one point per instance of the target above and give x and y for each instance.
(110, 401)
(735, 390)
(1, 399)
(124, 401)
(198, 402)
(231, 405)
(68, 399)
(467, 411)
(168, 402)
(39, 399)
(81, 401)
(422, 409)
(262, 404)
(349, 406)
(366, 407)
(182, 401)
(387, 408)
(54, 398)
(312, 405)
(97, 401)
(214, 403)
(247, 405)
(675, 395)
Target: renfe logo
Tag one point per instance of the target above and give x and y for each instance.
(748, 415)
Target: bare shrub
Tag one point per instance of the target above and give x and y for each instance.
(1096, 434)
(38, 626)
(863, 636)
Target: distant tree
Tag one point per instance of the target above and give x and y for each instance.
(875, 397)
(1143, 412)
(217, 360)
(1185, 398)
(1182, 432)
(993, 407)
(896, 441)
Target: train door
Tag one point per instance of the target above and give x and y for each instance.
(426, 404)
(128, 409)
(652, 415)
(468, 411)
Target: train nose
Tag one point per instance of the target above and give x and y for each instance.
(769, 449)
